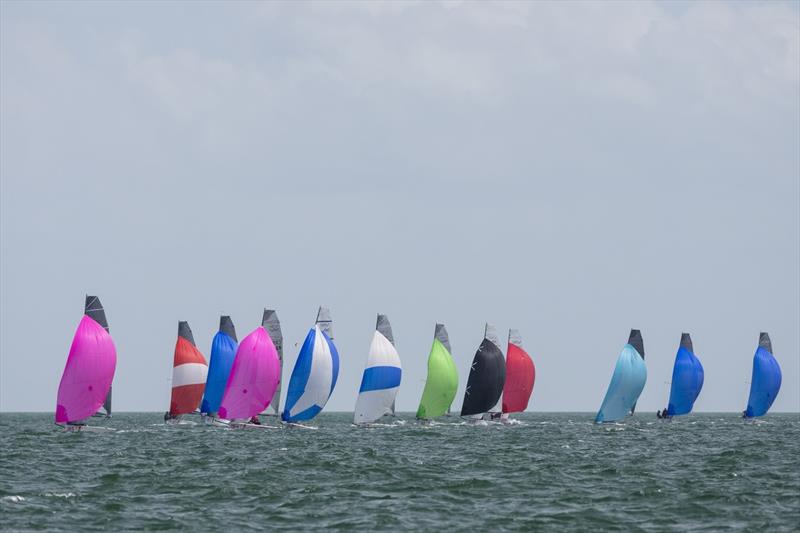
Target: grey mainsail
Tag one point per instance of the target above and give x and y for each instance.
(271, 323)
(325, 322)
(94, 310)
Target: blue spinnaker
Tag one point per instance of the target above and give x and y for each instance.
(766, 381)
(630, 375)
(687, 379)
(223, 352)
(314, 375)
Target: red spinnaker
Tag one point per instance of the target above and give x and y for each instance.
(189, 371)
(520, 375)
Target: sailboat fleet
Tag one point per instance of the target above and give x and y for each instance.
(241, 382)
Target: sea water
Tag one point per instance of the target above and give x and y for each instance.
(551, 472)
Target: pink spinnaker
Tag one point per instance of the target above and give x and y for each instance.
(253, 379)
(88, 374)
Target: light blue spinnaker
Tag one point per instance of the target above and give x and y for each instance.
(627, 383)
(687, 379)
(223, 352)
(766, 380)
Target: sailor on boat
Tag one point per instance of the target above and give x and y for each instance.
(255, 420)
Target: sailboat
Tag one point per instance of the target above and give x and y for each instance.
(223, 351)
(520, 376)
(273, 326)
(315, 372)
(253, 379)
(766, 381)
(381, 378)
(442, 381)
(487, 375)
(88, 374)
(627, 382)
(189, 373)
(94, 309)
(687, 380)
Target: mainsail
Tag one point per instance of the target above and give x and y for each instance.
(442, 381)
(223, 351)
(627, 382)
(520, 375)
(381, 378)
(88, 373)
(687, 379)
(253, 379)
(315, 372)
(766, 381)
(94, 309)
(189, 372)
(487, 375)
(271, 323)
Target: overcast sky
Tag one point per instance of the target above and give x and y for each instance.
(569, 169)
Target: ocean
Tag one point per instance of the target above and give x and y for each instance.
(702, 472)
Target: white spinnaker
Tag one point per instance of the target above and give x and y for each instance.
(371, 405)
(318, 386)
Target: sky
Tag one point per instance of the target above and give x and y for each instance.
(572, 170)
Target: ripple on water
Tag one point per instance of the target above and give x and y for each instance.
(551, 471)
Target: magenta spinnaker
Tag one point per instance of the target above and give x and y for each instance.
(253, 379)
(88, 373)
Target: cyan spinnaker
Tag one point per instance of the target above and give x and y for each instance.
(315, 372)
(687, 379)
(627, 382)
(223, 352)
(766, 381)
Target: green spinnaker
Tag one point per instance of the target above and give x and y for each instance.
(440, 388)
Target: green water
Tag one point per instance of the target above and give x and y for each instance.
(554, 471)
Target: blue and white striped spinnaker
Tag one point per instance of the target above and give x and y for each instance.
(381, 378)
(630, 375)
(314, 374)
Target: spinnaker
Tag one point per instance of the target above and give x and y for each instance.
(381, 379)
(766, 380)
(442, 381)
(315, 372)
(627, 382)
